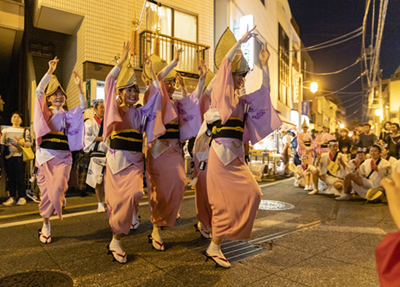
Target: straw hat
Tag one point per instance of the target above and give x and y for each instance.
(158, 65)
(126, 77)
(304, 125)
(53, 85)
(225, 43)
(210, 75)
(373, 194)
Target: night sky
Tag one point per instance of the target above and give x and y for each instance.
(321, 20)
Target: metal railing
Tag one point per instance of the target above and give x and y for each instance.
(190, 58)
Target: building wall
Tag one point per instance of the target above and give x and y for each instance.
(107, 24)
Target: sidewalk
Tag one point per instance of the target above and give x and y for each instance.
(320, 242)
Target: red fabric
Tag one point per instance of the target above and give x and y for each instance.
(304, 167)
(372, 165)
(96, 118)
(388, 260)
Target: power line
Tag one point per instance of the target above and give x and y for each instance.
(332, 73)
(318, 46)
(356, 102)
(353, 113)
(344, 86)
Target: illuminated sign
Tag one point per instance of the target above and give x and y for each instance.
(247, 23)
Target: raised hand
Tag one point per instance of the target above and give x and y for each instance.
(180, 80)
(177, 54)
(148, 62)
(264, 55)
(125, 52)
(248, 35)
(14, 148)
(52, 65)
(77, 78)
(202, 69)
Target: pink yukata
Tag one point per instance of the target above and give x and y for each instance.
(324, 138)
(166, 176)
(233, 193)
(123, 181)
(203, 207)
(302, 148)
(54, 166)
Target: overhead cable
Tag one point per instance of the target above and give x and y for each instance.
(344, 86)
(332, 73)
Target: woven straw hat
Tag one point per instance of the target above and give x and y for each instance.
(126, 77)
(53, 85)
(158, 65)
(304, 125)
(209, 76)
(225, 43)
(373, 194)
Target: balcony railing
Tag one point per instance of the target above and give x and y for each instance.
(190, 58)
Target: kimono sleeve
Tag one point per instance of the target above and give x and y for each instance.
(189, 117)
(223, 94)
(41, 114)
(111, 115)
(152, 110)
(262, 119)
(75, 129)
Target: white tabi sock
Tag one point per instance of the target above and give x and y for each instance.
(214, 248)
(46, 229)
(100, 204)
(156, 234)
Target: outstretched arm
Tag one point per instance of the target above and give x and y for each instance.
(149, 65)
(183, 86)
(264, 57)
(82, 98)
(171, 65)
(202, 80)
(46, 78)
(246, 37)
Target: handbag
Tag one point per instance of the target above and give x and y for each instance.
(27, 152)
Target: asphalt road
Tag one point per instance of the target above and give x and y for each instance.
(311, 240)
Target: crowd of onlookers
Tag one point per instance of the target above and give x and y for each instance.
(343, 164)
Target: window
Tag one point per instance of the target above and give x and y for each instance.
(283, 66)
(171, 22)
(177, 24)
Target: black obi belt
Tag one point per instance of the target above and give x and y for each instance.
(307, 143)
(172, 132)
(55, 140)
(128, 139)
(233, 128)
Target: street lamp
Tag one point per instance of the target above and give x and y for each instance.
(378, 112)
(341, 126)
(314, 87)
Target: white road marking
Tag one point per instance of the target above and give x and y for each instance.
(24, 222)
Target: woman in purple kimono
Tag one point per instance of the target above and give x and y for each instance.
(124, 126)
(58, 132)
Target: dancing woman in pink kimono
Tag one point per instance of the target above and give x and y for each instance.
(58, 132)
(233, 193)
(166, 177)
(306, 144)
(123, 130)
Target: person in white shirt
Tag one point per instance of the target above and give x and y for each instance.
(354, 164)
(304, 173)
(369, 175)
(332, 168)
(13, 138)
(97, 148)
